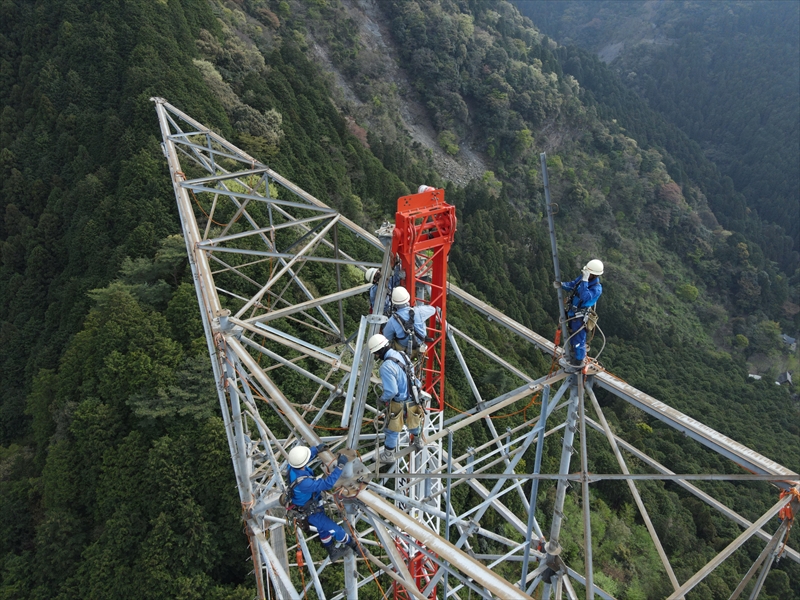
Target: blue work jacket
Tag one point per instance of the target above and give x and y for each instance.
(394, 378)
(394, 328)
(312, 487)
(586, 293)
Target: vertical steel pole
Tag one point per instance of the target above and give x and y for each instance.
(350, 573)
(554, 247)
(566, 455)
(449, 504)
(351, 384)
(762, 577)
(587, 520)
(365, 359)
(537, 465)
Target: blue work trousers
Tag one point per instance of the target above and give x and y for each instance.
(578, 340)
(327, 529)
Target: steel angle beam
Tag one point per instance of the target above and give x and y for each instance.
(279, 577)
(502, 362)
(394, 554)
(283, 255)
(739, 453)
(303, 306)
(433, 542)
(714, 503)
(730, 549)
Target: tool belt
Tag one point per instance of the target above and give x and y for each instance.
(301, 513)
(414, 413)
(417, 348)
(588, 316)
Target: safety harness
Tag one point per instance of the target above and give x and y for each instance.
(587, 314)
(293, 511)
(408, 369)
(408, 327)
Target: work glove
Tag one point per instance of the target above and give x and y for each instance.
(557, 285)
(342, 460)
(585, 273)
(321, 448)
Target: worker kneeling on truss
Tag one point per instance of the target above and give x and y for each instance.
(402, 396)
(305, 499)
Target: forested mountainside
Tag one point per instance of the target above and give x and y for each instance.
(726, 73)
(107, 408)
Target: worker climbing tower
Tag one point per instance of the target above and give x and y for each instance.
(279, 277)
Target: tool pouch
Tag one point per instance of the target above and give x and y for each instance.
(415, 415)
(591, 319)
(395, 416)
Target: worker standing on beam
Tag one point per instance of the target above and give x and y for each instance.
(584, 292)
(406, 329)
(402, 396)
(306, 498)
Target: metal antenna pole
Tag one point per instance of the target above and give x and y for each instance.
(554, 248)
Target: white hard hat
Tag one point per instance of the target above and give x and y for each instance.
(400, 295)
(376, 342)
(594, 266)
(299, 456)
(425, 188)
(370, 274)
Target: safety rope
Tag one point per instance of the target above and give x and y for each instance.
(299, 559)
(361, 550)
(196, 201)
(787, 514)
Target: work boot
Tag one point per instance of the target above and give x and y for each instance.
(387, 455)
(417, 442)
(336, 552)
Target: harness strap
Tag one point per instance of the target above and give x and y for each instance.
(290, 492)
(406, 368)
(408, 325)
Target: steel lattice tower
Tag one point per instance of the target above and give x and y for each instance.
(288, 351)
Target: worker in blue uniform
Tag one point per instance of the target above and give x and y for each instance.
(307, 499)
(402, 396)
(373, 276)
(406, 319)
(584, 293)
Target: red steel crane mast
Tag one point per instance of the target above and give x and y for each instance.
(425, 226)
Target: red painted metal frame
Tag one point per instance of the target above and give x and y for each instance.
(424, 230)
(421, 568)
